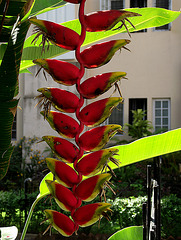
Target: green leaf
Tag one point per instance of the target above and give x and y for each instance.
(7, 110)
(130, 233)
(42, 6)
(148, 147)
(151, 17)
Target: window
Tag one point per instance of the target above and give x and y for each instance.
(14, 128)
(138, 3)
(136, 103)
(163, 4)
(161, 114)
(111, 4)
(117, 115)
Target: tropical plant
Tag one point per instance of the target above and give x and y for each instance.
(140, 127)
(14, 26)
(92, 140)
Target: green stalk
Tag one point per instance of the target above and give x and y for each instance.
(39, 197)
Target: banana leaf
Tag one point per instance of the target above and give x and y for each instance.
(151, 17)
(9, 73)
(129, 233)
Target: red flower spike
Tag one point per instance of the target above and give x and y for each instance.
(64, 174)
(61, 100)
(89, 117)
(88, 189)
(106, 20)
(62, 72)
(73, 1)
(60, 222)
(57, 34)
(91, 213)
(101, 53)
(96, 138)
(63, 124)
(97, 85)
(63, 196)
(64, 149)
(93, 163)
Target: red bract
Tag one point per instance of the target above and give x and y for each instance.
(64, 149)
(91, 117)
(97, 85)
(88, 189)
(63, 124)
(91, 213)
(73, 1)
(64, 174)
(63, 196)
(62, 72)
(62, 100)
(106, 20)
(61, 222)
(96, 138)
(101, 53)
(92, 163)
(59, 35)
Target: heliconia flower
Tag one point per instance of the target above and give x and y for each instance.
(88, 189)
(60, 222)
(63, 173)
(89, 117)
(91, 213)
(93, 163)
(63, 196)
(106, 20)
(97, 85)
(101, 53)
(61, 100)
(64, 149)
(96, 138)
(57, 34)
(62, 72)
(63, 124)
(73, 1)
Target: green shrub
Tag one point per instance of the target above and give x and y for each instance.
(126, 212)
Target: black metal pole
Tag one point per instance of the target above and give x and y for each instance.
(149, 199)
(144, 221)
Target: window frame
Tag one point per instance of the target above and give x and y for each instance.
(162, 117)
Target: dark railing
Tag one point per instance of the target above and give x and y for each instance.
(152, 208)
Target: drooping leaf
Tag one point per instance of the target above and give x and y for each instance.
(151, 17)
(7, 112)
(42, 6)
(149, 147)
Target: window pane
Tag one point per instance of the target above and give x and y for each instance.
(157, 104)
(117, 4)
(165, 112)
(117, 115)
(162, 3)
(157, 112)
(158, 121)
(165, 104)
(165, 121)
(157, 128)
(138, 3)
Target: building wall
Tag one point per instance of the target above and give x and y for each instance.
(153, 69)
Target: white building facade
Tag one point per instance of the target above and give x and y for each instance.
(153, 70)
